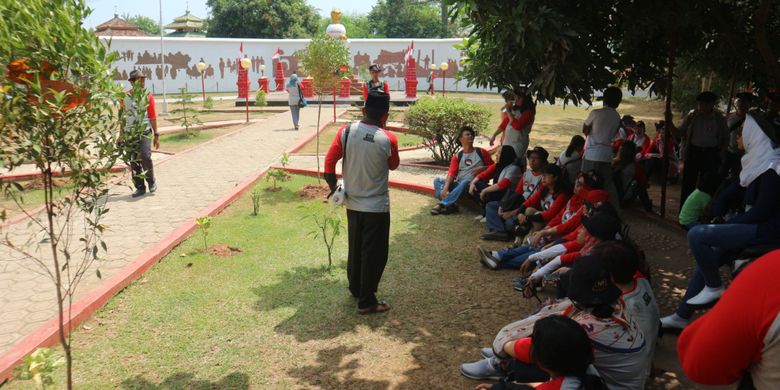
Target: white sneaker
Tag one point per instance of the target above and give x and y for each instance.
(483, 220)
(674, 321)
(478, 218)
(706, 296)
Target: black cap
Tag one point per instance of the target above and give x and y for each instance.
(374, 68)
(378, 100)
(135, 74)
(552, 169)
(590, 283)
(627, 118)
(542, 152)
(603, 224)
(707, 97)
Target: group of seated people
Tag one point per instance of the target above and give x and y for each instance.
(599, 331)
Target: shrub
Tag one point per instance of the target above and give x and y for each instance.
(188, 117)
(438, 121)
(257, 194)
(208, 103)
(204, 223)
(260, 99)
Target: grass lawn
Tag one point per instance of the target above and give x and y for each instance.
(272, 317)
(32, 197)
(396, 115)
(177, 142)
(326, 138)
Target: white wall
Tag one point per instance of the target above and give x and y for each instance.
(182, 54)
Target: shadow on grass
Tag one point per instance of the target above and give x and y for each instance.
(187, 381)
(432, 287)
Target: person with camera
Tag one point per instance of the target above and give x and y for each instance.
(368, 153)
(141, 163)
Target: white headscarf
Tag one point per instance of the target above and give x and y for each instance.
(760, 154)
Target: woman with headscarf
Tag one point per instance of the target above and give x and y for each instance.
(713, 245)
(294, 97)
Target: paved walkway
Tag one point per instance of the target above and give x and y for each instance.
(188, 183)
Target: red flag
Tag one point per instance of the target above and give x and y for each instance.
(277, 54)
(409, 52)
(241, 48)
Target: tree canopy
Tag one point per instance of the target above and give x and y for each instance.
(144, 23)
(563, 49)
(262, 19)
(406, 19)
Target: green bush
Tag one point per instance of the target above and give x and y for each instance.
(260, 99)
(208, 103)
(438, 121)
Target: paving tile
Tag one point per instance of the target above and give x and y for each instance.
(188, 184)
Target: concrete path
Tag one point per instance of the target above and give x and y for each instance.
(188, 183)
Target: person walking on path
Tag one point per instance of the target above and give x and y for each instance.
(141, 162)
(375, 84)
(294, 98)
(704, 137)
(600, 128)
(367, 152)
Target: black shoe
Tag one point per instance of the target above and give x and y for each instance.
(496, 236)
(519, 283)
(153, 187)
(451, 209)
(487, 259)
(139, 192)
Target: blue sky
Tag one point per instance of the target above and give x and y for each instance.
(104, 9)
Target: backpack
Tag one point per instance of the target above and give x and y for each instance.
(479, 154)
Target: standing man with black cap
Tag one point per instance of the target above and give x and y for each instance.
(368, 153)
(704, 137)
(375, 84)
(141, 163)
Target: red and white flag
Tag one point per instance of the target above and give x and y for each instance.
(277, 54)
(409, 52)
(241, 48)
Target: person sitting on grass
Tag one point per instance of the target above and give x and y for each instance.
(629, 177)
(570, 159)
(504, 180)
(652, 161)
(714, 245)
(503, 213)
(558, 346)
(545, 203)
(619, 346)
(623, 262)
(514, 257)
(604, 225)
(587, 189)
(464, 166)
(640, 139)
(694, 208)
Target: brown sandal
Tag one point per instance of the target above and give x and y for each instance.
(379, 307)
(436, 210)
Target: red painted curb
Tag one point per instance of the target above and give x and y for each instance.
(393, 183)
(83, 309)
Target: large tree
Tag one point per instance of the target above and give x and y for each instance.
(144, 23)
(262, 19)
(406, 19)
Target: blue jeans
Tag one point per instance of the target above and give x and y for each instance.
(295, 111)
(515, 257)
(710, 245)
(494, 221)
(456, 190)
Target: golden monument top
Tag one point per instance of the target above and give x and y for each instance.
(335, 16)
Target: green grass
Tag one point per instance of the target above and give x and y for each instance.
(213, 117)
(176, 142)
(326, 138)
(272, 317)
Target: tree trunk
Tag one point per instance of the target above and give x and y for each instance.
(762, 43)
(444, 19)
(668, 119)
(319, 111)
